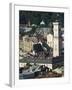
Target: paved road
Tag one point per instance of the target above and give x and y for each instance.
(48, 60)
(37, 60)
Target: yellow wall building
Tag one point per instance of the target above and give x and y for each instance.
(50, 40)
(27, 44)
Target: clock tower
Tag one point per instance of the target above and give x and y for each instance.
(56, 39)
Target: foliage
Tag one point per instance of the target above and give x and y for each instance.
(36, 17)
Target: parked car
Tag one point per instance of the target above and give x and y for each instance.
(32, 72)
